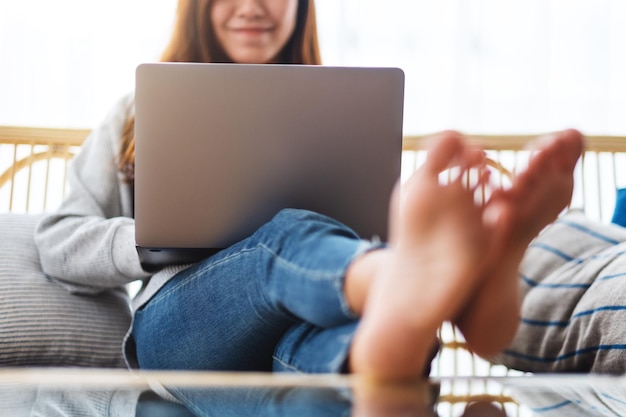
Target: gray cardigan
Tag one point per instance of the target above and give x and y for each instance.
(88, 244)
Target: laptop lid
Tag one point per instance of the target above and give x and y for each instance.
(221, 148)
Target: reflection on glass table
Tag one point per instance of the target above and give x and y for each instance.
(570, 395)
(104, 393)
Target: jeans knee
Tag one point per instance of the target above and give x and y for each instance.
(307, 222)
(288, 215)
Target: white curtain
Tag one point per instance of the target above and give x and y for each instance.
(481, 66)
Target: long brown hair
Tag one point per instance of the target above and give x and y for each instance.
(193, 40)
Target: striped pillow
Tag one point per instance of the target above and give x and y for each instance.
(573, 288)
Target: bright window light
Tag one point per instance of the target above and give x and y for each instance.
(484, 66)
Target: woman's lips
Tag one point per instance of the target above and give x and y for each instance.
(251, 31)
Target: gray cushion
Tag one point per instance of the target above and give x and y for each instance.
(41, 323)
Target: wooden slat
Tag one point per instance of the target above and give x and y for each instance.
(519, 142)
(17, 135)
(74, 137)
(28, 161)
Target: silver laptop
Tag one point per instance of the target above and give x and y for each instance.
(221, 148)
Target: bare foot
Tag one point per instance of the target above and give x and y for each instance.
(437, 248)
(414, 399)
(516, 216)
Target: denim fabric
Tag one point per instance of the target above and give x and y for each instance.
(151, 405)
(278, 293)
(313, 349)
(265, 402)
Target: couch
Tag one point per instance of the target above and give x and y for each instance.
(43, 324)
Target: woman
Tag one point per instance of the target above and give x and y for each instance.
(290, 297)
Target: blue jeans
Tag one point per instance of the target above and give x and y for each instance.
(265, 402)
(273, 301)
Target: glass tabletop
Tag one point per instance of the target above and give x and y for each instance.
(99, 392)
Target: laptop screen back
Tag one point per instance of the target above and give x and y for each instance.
(220, 148)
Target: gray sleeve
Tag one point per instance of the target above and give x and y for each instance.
(90, 240)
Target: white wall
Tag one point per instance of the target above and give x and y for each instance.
(503, 66)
